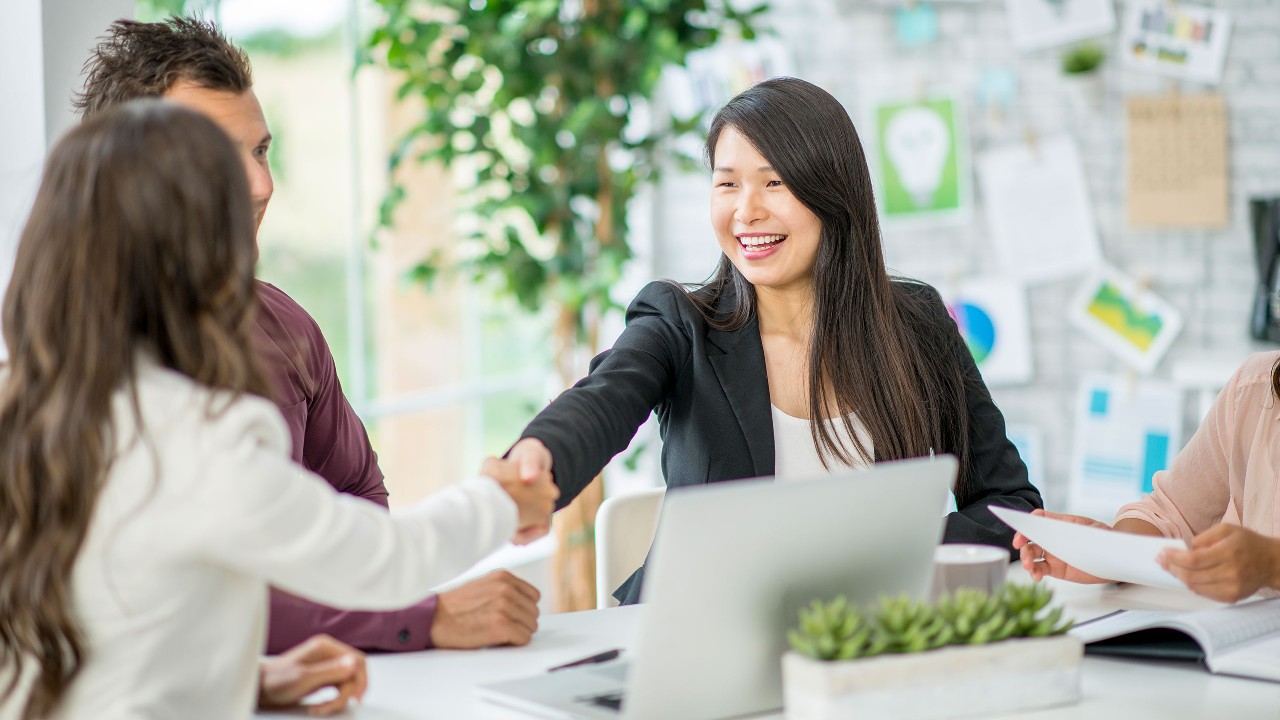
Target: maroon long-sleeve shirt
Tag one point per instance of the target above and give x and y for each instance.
(330, 441)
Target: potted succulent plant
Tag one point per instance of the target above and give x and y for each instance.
(1082, 76)
(907, 660)
(1083, 59)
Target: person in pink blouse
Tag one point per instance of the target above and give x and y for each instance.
(1220, 495)
(189, 62)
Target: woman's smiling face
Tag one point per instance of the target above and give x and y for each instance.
(766, 232)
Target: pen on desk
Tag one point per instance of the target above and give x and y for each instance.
(1096, 619)
(605, 656)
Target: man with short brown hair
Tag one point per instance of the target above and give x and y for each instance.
(188, 61)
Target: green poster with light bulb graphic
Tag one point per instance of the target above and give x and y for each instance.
(922, 161)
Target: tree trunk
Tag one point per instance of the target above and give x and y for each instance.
(573, 572)
(573, 567)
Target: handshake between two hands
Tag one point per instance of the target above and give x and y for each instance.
(322, 662)
(526, 476)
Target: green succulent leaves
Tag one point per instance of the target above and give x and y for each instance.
(1026, 604)
(833, 631)
(837, 630)
(904, 626)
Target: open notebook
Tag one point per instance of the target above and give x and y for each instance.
(1241, 640)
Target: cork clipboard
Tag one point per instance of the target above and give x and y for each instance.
(1177, 169)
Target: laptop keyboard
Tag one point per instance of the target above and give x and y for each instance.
(609, 700)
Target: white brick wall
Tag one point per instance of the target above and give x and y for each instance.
(849, 45)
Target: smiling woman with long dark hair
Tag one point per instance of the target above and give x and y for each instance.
(146, 493)
(801, 355)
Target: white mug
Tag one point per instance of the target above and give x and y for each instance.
(955, 566)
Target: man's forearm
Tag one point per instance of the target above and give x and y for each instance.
(293, 619)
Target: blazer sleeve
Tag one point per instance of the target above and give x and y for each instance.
(596, 418)
(997, 475)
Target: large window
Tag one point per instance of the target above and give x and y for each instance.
(441, 377)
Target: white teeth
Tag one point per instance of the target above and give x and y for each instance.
(761, 240)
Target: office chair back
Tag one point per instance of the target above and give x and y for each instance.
(625, 525)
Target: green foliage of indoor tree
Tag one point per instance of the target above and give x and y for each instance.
(535, 99)
(155, 10)
(541, 108)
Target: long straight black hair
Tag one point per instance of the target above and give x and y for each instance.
(879, 343)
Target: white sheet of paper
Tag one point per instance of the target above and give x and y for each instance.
(1038, 209)
(1118, 556)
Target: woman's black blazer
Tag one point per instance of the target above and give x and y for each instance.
(709, 391)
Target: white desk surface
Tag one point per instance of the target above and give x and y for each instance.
(440, 684)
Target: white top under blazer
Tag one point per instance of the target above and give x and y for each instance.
(201, 511)
(796, 458)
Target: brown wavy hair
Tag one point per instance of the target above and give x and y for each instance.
(877, 340)
(144, 60)
(141, 239)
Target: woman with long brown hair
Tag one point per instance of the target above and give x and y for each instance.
(801, 355)
(146, 496)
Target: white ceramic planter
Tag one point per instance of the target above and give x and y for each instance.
(951, 682)
(1084, 92)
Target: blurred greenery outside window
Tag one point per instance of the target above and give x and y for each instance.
(325, 157)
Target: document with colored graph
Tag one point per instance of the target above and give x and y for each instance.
(1127, 429)
(1125, 317)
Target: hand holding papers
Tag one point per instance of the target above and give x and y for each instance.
(1107, 554)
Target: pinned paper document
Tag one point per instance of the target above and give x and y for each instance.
(1038, 209)
(1126, 431)
(920, 160)
(991, 314)
(1125, 317)
(1182, 41)
(1178, 173)
(1037, 24)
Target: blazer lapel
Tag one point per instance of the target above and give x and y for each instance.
(740, 369)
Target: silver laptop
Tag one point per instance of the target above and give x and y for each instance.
(731, 565)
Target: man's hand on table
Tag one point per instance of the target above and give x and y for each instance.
(497, 609)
